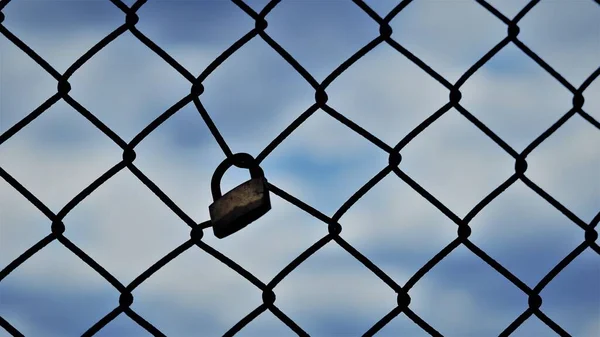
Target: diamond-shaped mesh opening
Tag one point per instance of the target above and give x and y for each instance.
(567, 166)
(212, 26)
(375, 94)
(565, 35)
(43, 300)
(392, 223)
(455, 162)
(324, 176)
(58, 155)
(320, 34)
(515, 97)
(474, 290)
(333, 294)
(65, 29)
(127, 86)
(147, 229)
(183, 175)
(538, 235)
(195, 292)
(442, 34)
(260, 86)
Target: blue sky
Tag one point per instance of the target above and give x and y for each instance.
(252, 97)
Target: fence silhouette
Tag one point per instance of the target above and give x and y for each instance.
(57, 228)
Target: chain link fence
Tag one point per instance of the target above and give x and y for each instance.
(57, 228)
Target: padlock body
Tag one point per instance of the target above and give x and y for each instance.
(239, 207)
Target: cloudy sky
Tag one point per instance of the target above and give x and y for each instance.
(252, 97)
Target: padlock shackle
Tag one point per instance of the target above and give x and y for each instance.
(241, 160)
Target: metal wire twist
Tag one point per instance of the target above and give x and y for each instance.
(57, 227)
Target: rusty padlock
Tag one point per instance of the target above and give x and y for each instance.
(242, 205)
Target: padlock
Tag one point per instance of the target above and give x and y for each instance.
(242, 205)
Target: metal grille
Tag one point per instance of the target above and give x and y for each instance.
(589, 233)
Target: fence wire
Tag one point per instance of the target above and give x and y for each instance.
(57, 227)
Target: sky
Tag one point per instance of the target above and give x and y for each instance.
(252, 97)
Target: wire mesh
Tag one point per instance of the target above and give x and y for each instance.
(334, 236)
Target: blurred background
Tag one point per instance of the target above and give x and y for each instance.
(252, 97)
